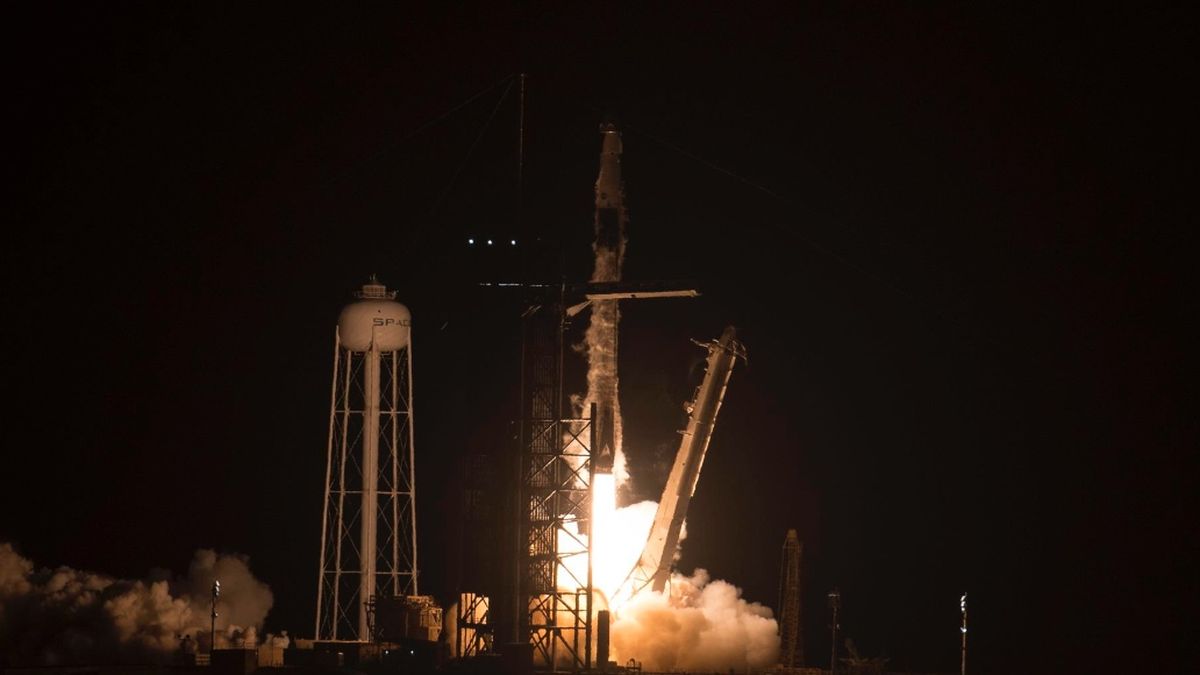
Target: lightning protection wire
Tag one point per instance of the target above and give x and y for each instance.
(821, 248)
(421, 128)
(418, 233)
(928, 306)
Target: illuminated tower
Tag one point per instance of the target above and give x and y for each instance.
(369, 528)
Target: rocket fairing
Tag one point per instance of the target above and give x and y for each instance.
(654, 566)
(610, 197)
(609, 246)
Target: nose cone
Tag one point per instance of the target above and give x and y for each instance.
(612, 139)
(608, 183)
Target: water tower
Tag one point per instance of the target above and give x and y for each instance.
(369, 527)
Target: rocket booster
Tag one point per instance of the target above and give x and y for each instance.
(610, 197)
(609, 248)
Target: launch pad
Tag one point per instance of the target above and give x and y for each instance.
(545, 604)
(538, 604)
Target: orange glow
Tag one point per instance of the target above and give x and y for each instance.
(620, 535)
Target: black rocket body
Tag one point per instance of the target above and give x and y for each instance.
(609, 248)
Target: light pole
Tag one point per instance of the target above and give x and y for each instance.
(962, 603)
(835, 603)
(212, 631)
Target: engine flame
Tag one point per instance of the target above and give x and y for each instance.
(617, 537)
(699, 624)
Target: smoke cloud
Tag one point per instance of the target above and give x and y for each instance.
(65, 616)
(702, 625)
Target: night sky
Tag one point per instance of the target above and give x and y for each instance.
(948, 237)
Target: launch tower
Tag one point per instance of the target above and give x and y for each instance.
(791, 627)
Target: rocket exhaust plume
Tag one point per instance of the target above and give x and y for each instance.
(703, 625)
(695, 624)
(65, 616)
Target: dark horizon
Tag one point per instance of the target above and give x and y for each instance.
(945, 234)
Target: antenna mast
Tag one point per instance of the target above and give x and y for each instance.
(790, 627)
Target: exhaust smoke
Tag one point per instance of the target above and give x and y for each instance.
(700, 625)
(65, 616)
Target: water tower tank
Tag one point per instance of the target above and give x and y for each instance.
(374, 317)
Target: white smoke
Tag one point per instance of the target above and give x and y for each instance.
(67, 616)
(701, 625)
(697, 625)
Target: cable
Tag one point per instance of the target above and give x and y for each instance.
(470, 151)
(712, 165)
(420, 128)
(927, 305)
(418, 233)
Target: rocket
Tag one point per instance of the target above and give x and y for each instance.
(611, 216)
(601, 337)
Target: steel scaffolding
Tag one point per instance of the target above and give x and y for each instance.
(555, 597)
(474, 626)
(369, 533)
(791, 626)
